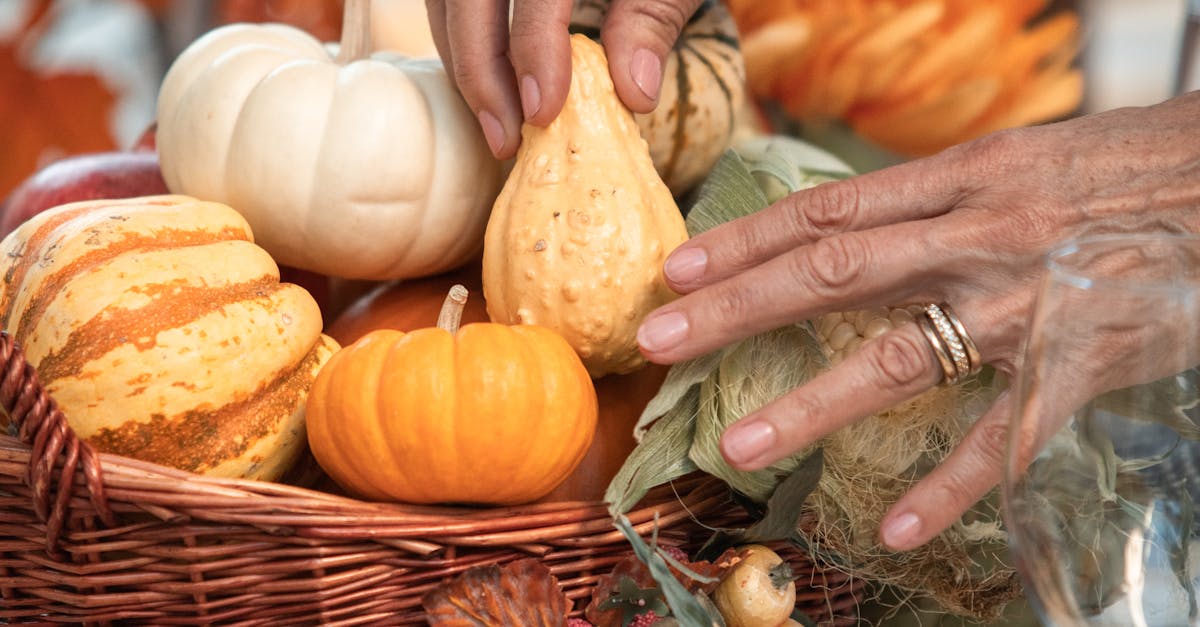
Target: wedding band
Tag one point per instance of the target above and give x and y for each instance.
(954, 349)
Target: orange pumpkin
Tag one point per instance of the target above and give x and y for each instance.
(408, 305)
(622, 399)
(485, 413)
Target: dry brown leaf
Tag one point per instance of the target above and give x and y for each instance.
(633, 569)
(46, 113)
(519, 594)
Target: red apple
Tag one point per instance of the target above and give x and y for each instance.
(83, 177)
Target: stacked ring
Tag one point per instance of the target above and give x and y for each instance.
(954, 349)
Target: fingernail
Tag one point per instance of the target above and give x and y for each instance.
(685, 266)
(746, 441)
(646, 70)
(899, 531)
(493, 131)
(531, 96)
(662, 332)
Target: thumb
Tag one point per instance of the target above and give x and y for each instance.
(637, 36)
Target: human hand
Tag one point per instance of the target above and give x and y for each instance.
(970, 227)
(522, 73)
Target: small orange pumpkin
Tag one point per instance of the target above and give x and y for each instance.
(486, 413)
(622, 398)
(408, 305)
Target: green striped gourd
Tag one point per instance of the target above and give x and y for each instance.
(703, 91)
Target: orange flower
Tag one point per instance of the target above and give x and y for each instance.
(914, 76)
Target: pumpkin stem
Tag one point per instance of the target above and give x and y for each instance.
(452, 309)
(356, 32)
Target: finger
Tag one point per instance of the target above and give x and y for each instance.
(884, 371)
(436, 9)
(477, 34)
(974, 467)
(845, 272)
(541, 56)
(637, 36)
(910, 191)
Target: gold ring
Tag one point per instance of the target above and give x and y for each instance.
(972, 350)
(956, 352)
(949, 370)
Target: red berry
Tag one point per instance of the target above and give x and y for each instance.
(577, 622)
(644, 620)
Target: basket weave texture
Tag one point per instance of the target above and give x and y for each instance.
(92, 538)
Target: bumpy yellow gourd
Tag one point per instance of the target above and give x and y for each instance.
(577, 237)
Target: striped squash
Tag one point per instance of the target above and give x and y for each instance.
(703, 92)
(164, 333)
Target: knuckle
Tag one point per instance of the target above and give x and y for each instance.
(743, 248)
(1022, 230)
(729, 305)
(990, 443)
(899, 360)
(953, 491)
(469, 74)
(668, 16)
(831, 208)
(834, 263)
(996, 149)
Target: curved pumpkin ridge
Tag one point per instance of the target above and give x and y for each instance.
(127, 283)
(199, 441)
(196, 368)
(500, 408)
(342, 396)
(43, 245)
(272, 45)
(96, 232)
(274, 455)
(416, 409)
(172, 306)
(569, 425)
(21, 248)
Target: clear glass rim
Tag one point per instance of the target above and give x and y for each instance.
(1055, 262)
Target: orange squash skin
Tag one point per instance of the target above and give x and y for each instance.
(622, 399)
(493, 414)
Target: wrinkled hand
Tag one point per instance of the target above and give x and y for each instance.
(969, 227)
(523, 72)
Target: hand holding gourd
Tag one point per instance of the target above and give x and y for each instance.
(968, 226)
(509, 74)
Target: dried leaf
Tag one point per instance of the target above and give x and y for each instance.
(43, 113)
(648, 572)
(630, 578)
(660, 457)
(729, 192)
(519, 594)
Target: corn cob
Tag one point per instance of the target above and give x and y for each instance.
(841, 333)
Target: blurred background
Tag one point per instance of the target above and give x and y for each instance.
(81, 76)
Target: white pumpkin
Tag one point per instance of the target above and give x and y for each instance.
(355, 166)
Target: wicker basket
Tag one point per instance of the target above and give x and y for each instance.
(102, 539)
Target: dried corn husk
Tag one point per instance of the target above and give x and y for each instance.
(867, 466)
